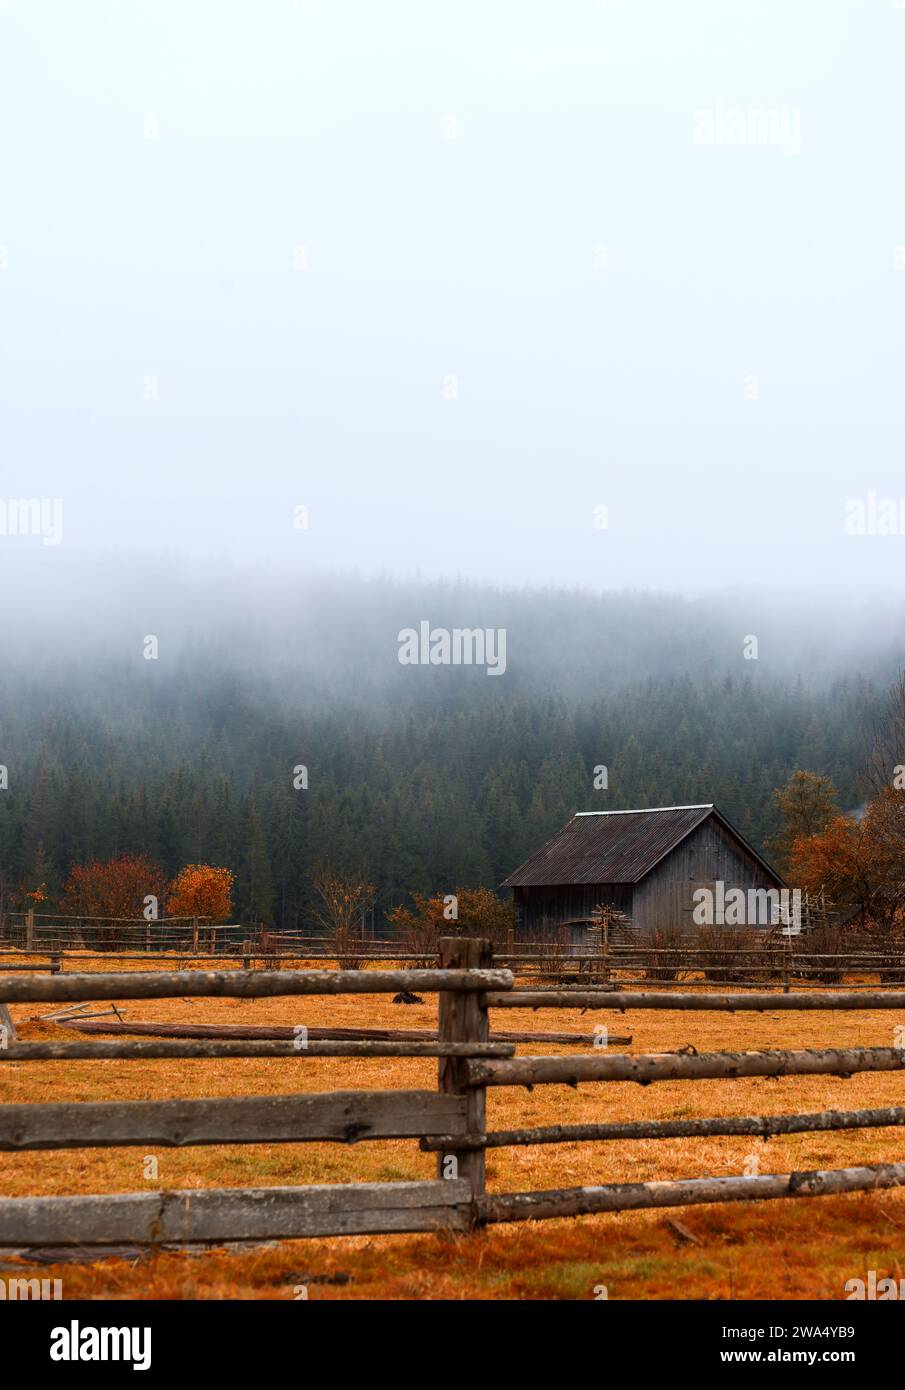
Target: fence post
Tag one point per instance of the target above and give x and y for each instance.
(30, 929)
(195, 934)
(463, 1017)
(6, 1024)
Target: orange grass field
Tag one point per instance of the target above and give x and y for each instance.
(789, 1249)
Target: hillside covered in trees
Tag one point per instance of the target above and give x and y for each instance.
(422, 778)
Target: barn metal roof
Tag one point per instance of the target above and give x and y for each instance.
(617, 846)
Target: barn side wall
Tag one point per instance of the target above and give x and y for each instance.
(663, 900)
(542, 911)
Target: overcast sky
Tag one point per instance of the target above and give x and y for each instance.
(451, 276)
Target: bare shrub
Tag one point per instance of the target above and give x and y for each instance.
(671, 945)
(825, 941)
(343, 903)
(720, 962)
(420, 937)
(553, 949)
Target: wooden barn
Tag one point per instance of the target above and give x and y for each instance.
(647, 864)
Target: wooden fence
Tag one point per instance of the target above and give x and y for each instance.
(216, 1216)
(450, 1122)
(685, 969)
(55, 932)
(774, 961)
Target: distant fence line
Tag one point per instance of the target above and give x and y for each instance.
(621, 963)
(37, 931)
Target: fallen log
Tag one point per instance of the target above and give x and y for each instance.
(277, 1032)
(239, 1047)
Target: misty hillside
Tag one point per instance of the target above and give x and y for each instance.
(426, 777)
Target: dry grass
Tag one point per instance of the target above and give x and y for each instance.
(789, 1249)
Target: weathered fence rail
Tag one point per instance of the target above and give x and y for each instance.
(244, 984)
(673, 1066)
(344, 1116)
(450, 1122)
(217, 1216)
(704, 1003)
(632, 1196)
(760, 1126)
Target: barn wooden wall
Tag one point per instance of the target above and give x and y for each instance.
(541, 909)
(664, 898)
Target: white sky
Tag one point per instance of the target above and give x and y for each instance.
(325, 125)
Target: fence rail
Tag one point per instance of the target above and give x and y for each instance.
(633, 1196)
(759, 1126)
(450, 1122)
(673, 1066)
(704, 1003)
(346, 1117)
(244, 984)
(217, 1216)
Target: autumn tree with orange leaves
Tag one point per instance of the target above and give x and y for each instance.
(117, 888)
(467, 912)
(859, 863)
(113, 888)
(201, 890)
(806, 804)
